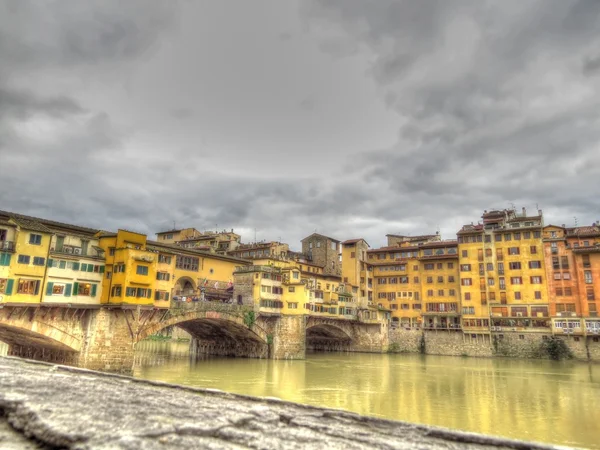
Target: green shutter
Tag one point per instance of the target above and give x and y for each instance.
(166, 296)
(50, 262)
(75, 288)
(84, 267)
(68, 290)
(62, 264)
(49, 288)
(4, 259)
(37, 288)
(156, 294)
(94, 290)
(101, 269)
(149, 293)
(75, 266)
(90, 268)
(9, 287)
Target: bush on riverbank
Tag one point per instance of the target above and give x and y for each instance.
(556, 349)
(161, 338)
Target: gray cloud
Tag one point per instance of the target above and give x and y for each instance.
(374, 117)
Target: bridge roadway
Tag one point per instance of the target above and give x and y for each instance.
(104, 338)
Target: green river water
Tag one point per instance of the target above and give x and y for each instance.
(534, 400)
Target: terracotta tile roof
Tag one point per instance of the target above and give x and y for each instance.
(29, 224)
(51, 224)
(584, 231)
(354, 241)
(446, 243)
(178, 249)
(413, 238)
(471, 229)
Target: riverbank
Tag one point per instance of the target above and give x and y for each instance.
(60, 406)
(509, 344)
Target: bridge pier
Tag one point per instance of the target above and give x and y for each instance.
(289, 338)
(109, 344)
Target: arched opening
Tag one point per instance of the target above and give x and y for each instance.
(28, 344)
(327, 338)
(185, 287)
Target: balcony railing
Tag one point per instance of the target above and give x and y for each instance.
(7, 246)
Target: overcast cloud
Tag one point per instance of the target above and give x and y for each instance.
(354, 118)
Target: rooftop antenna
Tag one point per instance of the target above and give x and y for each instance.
(255, 235)
(576, 224)
(173, 224)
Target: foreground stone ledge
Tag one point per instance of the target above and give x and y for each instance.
(49, 406)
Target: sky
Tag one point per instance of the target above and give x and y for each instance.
(352, 118)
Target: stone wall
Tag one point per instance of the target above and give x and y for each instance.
(243, 349)
(289, 338)
(509, 344)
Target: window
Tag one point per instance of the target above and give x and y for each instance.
(559, 292)
(141, 270)
(517, 236)
(507, 237)
(589, 290)
(440, 279)
(491, 282)
(417, 297)
(24, 259)
(187, 262)
(513, 250)
(586, 260)
(161, 295)
(29, 287)
(501, 283)
(440, 292)
(480, 254)
(352, 254)
(415, 268)
(164, 259)
(111, 251)
(499, 255)
(564, 262)
(415, 279)
(116, 291)
(555, 263)
(429, 279)
(500, 268)
(35, 239)
(465, 267)
(468, 310)
(296, 274)
(39, 261)
(84, 289)
(430, 293)
(465, 253)
(452, 292)
(440, 266)
(532, 249)
(537, 234)
(514, 265)
(467, 296)
(451, 279)
(164, 276)
(5, 286)
(535, 264)
(466, 281)
(538, 295)
(498, 237)
(557, 275)
(118, 268)
(568, 291)
(333, 246)
(536, 280)
(450, 265)
(517, 296)
(382, 280)
(516, 280)
(490, 267)
(429, 266)
(587, 275)
(481, 269)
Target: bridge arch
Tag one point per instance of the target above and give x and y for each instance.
(217, 333)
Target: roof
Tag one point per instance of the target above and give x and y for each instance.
(50, 224)
(594, 230)
(179, 249)
(169, 231)
(471, 229)
(29, 224)
(446, 243)
(354, 241)
(319, 235)
(413, 238)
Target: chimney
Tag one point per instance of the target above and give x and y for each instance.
(563, 225)
(524, 212)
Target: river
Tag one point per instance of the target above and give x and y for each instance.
(545, 401)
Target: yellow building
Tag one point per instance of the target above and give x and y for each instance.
(151, 273)
(502, 272)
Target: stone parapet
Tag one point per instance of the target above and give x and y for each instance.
(46, 406)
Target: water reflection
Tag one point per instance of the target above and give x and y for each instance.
(524, 399)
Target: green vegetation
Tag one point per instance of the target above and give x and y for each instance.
(394, 347)
(249, 319)
(158, 337)
(422, 345)
(555, 348)
(269, 339)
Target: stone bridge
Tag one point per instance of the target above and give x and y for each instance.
(104, 338)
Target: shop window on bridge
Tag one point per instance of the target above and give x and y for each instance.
(187, 263)
(85, 289)
(539, 311)
(161, 295)
(116, 291)
(141, 270)
(292, 305)
(164, 259)
(30, 287)
(271, 304)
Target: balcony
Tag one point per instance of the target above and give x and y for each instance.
(7, 246)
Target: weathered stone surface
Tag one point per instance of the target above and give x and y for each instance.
(63, 407)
